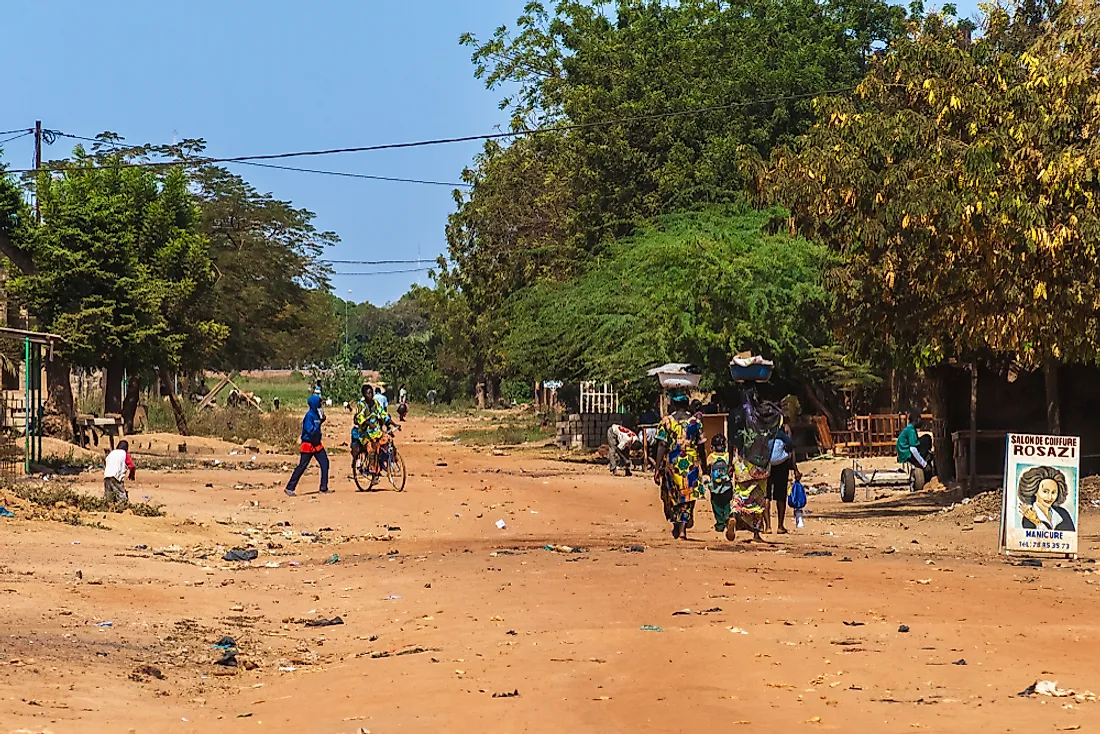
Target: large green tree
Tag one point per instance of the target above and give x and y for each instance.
(959, 188)
(271, 286)
(692, 84)
(119, 269)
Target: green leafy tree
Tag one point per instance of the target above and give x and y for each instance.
(541, 207)
(693, 287)
(271, 288)
(957, 187)
(119, 269)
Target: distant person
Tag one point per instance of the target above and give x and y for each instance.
(381, 400)
(116, 468)
(783, 462)
(432, 395)
(275, 402)
(909, 445)
(621, 443)
(403, 395)
(311, 447)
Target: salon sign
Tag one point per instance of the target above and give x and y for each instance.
(1039, 513)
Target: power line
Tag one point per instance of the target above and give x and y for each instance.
(344, 174)
(474, 138)
(16, 137)
(377, 262)
(355, 175)
(19, 130)
(388, 272)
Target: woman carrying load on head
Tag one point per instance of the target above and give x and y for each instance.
(681, 464)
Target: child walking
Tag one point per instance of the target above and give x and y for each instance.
(117, 466)
(721, 485)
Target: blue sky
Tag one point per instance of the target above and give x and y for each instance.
(274, 76)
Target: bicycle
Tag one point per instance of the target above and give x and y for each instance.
(387, 460)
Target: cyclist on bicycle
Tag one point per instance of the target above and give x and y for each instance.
(368, 427)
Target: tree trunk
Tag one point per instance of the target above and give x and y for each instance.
(177, 407)
(972, 459)
(1054, 403)
(59, 419)
(130, 404)
(112, 389)
(937, 389)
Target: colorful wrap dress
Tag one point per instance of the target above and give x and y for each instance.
(748, 494)
(682, 478)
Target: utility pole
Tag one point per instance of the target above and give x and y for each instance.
(37, 168)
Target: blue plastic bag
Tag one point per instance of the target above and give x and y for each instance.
(797, 497)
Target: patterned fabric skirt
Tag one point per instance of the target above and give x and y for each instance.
(748, 505)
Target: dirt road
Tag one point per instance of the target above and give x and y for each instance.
(111, 627)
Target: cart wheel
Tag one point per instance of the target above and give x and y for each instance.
(916, 479)
(847, 486)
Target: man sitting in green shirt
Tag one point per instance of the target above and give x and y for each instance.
(909, 443)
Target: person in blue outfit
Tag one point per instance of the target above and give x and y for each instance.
(311, 446)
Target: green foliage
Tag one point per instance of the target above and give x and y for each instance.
(841, 371)
(958, 188)
(271, 290)
(119, 268)
(695, 287)
(544, 206)
(343, 380)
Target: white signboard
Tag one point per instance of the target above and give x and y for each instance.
(1039, 512)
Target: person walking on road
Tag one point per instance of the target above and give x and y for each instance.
(681, 463)
(782, 464)
(311, 447)
(621, 442)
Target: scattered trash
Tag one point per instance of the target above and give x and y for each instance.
(335, 558)
(965, 501)
(141, 547)
(229, 659)
(324, 622)
(150, 671)
(817, 554)
(240, 554)
(225, 643)
(271, 564)
(507, 694)
(5, 512)
(502, 525)
(397, 653)
(563, 548)
(651, 628)
(845, 559)
(682, 611)
(1033, 562)
(737, 630)
(393, 528)
(392, 597)
(853, 624)
(105, 624)
(903, 628)
(636, 549)
(960, 661)
(244, 716)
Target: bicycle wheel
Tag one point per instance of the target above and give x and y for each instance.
(395, 469)
(359, 474)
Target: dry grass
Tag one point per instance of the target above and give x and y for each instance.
(61, 496)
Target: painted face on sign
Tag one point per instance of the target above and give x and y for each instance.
(1046, 495)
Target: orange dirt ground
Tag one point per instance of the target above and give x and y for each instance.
(483, 611)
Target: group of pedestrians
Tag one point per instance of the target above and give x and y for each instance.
(740, 492)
